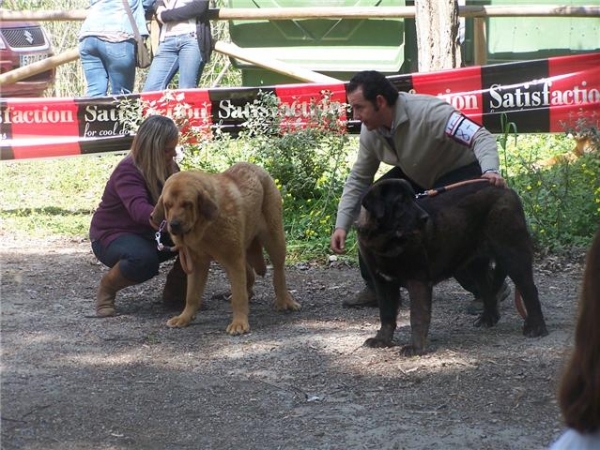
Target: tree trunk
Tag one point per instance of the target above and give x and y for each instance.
(437, 23)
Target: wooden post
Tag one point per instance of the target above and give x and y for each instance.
(275, 65)
(480, 41)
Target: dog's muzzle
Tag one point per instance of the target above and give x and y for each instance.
(175, 227)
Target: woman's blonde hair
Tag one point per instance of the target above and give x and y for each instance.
(148, 152)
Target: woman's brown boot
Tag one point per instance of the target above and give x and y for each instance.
(175, 287)
(112, 282)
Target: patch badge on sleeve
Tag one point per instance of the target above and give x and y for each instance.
(461, 129)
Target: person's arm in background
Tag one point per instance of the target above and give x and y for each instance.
(148, 6)
(196, 8)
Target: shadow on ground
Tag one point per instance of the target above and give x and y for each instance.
(297, 381)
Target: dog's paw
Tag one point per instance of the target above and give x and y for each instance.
(178, 321)
(487, 320)
(105, 311)
(237, 327)
(288, 304)
(534, 329)
(375, 342)
(409, 350)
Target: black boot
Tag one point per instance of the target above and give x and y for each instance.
(365, 298)
(475, 307)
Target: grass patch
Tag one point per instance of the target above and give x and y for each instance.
(52, 198)
(561, 200)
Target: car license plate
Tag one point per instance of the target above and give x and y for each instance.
(30, 59)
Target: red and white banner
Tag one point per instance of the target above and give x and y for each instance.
(541, 96)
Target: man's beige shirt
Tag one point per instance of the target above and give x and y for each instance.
(425, 149)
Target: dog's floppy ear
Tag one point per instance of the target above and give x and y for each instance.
(374, 202)
(408, 194)
(385, 195)
(407, 188)
(158, 214)
(206, 207)
(422, 217)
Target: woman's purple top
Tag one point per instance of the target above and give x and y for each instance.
(125, 207)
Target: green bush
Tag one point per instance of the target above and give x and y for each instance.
(307, 160)
(561, 200)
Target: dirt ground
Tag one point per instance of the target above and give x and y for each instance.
(297, 381)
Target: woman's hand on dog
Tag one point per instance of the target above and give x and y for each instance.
(338, 241)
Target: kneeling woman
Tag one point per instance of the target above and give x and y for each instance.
(121, 232)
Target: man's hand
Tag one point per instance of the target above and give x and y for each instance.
(338, 241)
(495, 179)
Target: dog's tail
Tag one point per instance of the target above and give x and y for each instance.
(255, 257)
(498, 280)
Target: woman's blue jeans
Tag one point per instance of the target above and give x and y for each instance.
(138, 255)
(176, 53)
(107, 63)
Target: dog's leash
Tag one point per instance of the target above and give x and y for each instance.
(439, 190)
(159, 245)
(184, 257)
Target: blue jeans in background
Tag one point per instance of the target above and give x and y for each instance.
(176, 53)
(107, 63)
(138, 254)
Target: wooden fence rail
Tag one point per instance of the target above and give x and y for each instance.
(392, 12)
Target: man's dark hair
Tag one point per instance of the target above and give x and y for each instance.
(373, 83)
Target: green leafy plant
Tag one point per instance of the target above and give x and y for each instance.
(306, 156)
(561, 200)
(509, 129)
(582, 126)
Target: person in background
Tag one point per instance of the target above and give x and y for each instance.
(579, 389)
(429, 143)
(185, 44)
(121, 232)
(107, 46)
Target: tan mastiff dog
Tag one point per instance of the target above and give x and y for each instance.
(227, 217)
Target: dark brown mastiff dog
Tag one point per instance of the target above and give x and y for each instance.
(477, 230)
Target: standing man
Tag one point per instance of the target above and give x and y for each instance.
(429, 143)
